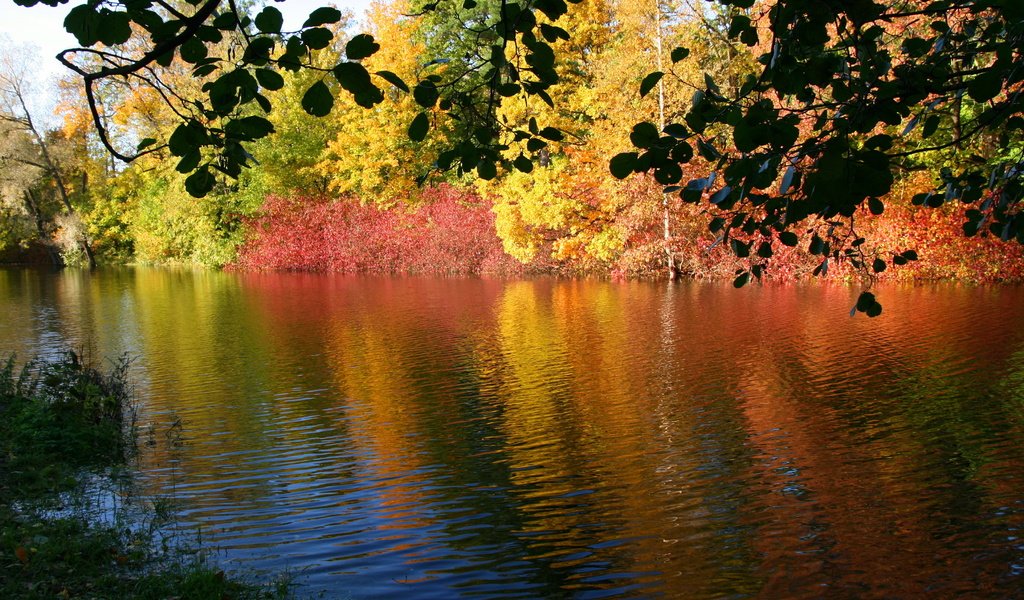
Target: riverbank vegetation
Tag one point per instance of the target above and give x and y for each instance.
(351, 182)
(70, 524)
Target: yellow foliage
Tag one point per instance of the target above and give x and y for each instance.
(371, 155)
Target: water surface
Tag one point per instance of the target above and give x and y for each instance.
(440, 438)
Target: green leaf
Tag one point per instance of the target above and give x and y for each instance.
(317, 37)
(876, 206)
(269, 79)
(361, 46)
(622, 164)
(523, 164)
(878, 265)
(649, 82)
(318, 100)
(199, 183)
(393, 79)
(741, 280)
(419, 127)
(269, 20)
(931, 125)
(145, 143)
(323, 16)
(679, 54)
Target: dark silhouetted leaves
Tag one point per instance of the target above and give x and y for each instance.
(318, 100)
(269, 20)
(394, 80)
(419, 127)
(361, 46)
(269, 79)
(324, 15)
(649, 82)
(622, 165)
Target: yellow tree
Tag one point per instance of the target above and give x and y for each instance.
(370, 155)
(558, 204)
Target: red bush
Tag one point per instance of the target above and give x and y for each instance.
(452, 232)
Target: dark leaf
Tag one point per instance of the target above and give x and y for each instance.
(393, 79)
(649, 82)
(269, 20)
(317, 37)
(193, 51)
(486, 170)
(361, 46)
(318, 100)
(323, 16)
(189, 162)
(644, 135)
(425, 93)
(622, 164)
(353, 77)
(552, 134)
(788, 238)
(199, 183)
(419, 127)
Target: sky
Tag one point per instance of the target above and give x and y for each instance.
(42, 26)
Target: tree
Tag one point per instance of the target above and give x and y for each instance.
(845, 97)
(33, 153)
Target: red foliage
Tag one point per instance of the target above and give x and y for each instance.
(452, 232)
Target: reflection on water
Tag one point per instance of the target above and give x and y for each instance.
(463, 437)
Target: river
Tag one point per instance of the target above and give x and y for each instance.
(441, 438)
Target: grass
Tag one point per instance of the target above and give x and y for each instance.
(70, 524)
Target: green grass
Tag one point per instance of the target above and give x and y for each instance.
(70, 523)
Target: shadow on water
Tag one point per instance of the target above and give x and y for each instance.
(474, 437)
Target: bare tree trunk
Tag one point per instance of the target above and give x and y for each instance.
(673, 269)
(54, 171)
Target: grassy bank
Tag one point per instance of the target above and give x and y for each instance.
(70, 525)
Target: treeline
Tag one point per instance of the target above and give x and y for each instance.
(353, 191)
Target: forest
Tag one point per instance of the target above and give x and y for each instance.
(346, 177)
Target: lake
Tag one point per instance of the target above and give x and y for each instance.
(440, 438)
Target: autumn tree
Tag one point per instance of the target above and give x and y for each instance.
(34, 156)
(844, 96)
